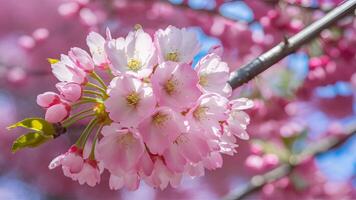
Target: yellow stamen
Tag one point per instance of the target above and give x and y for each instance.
(126, 140)
(203, 80)
(159, 118)
(133, 99)
(134, 65)
(181, 139)
(172, 56)
(170, 86)
(199, 113)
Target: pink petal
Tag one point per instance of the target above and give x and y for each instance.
(161, 129)
(48, 99)
(57, 113)
(174, 160)
(70, 91)
(82, 59)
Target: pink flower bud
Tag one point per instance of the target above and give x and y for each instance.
(48, 99)
(270, 160)
(40, 34)
(57, 112)
(70, 91)
(82, 59)
(27, 42)
(68, 9)
(254, 162)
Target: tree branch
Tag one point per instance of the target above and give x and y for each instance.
(258, 181)
(277, 53)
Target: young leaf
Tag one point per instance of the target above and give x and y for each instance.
(36, 124)
(52, 60)
(30, 140)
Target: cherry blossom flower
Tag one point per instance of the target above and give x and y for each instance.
(72, 162)
(213, 75)
(48, 99)
(130, 101)
(161, 129)
(134, 54)
(96, 44)
(71, 92)
(238, 119)
(56, 109)
(82, 59)
(188, 147)
(177, 45)
(208, 112)
(128, 179)
(161, 176)
(175, 85)
(155, 122)
(66, 71)
(90, 173)
(119, 148)
(57, 112)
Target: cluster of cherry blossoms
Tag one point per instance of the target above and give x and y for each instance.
(157, 120)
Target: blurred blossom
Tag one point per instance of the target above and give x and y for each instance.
(308, 96)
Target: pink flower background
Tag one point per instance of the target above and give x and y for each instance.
(306, 91)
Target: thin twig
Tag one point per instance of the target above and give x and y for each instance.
(258, 181)
(277, 53)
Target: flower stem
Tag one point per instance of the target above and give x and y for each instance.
(81, 102)
(76, 115)
(92, 152)
(91, 99)
(67, 124)
(99, 79)
(92, 85)
(85, 134)
(93, 92)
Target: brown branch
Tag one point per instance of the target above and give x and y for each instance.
(277, 53)
(258, 181)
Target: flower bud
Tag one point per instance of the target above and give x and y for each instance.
(70, 91)
(48, 99)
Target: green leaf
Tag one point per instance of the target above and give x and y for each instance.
(35, 124)
(30, 140)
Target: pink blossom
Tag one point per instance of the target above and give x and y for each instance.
(188, 147)
(130, 101)
(213, 161)
(72, 162)
(119, 149)
(71, 92)
(175, 85)
(208, 112)
(238, 119)
(40, 34)
(96, 44)
(66, 71)
(82, 59)
(161, 129)
(214, 75)
(177, 45)
(90, 173)
(134, 54)
(57, 112)
(227, 143)
(48, 99)
(161, 176)
(128, 179)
